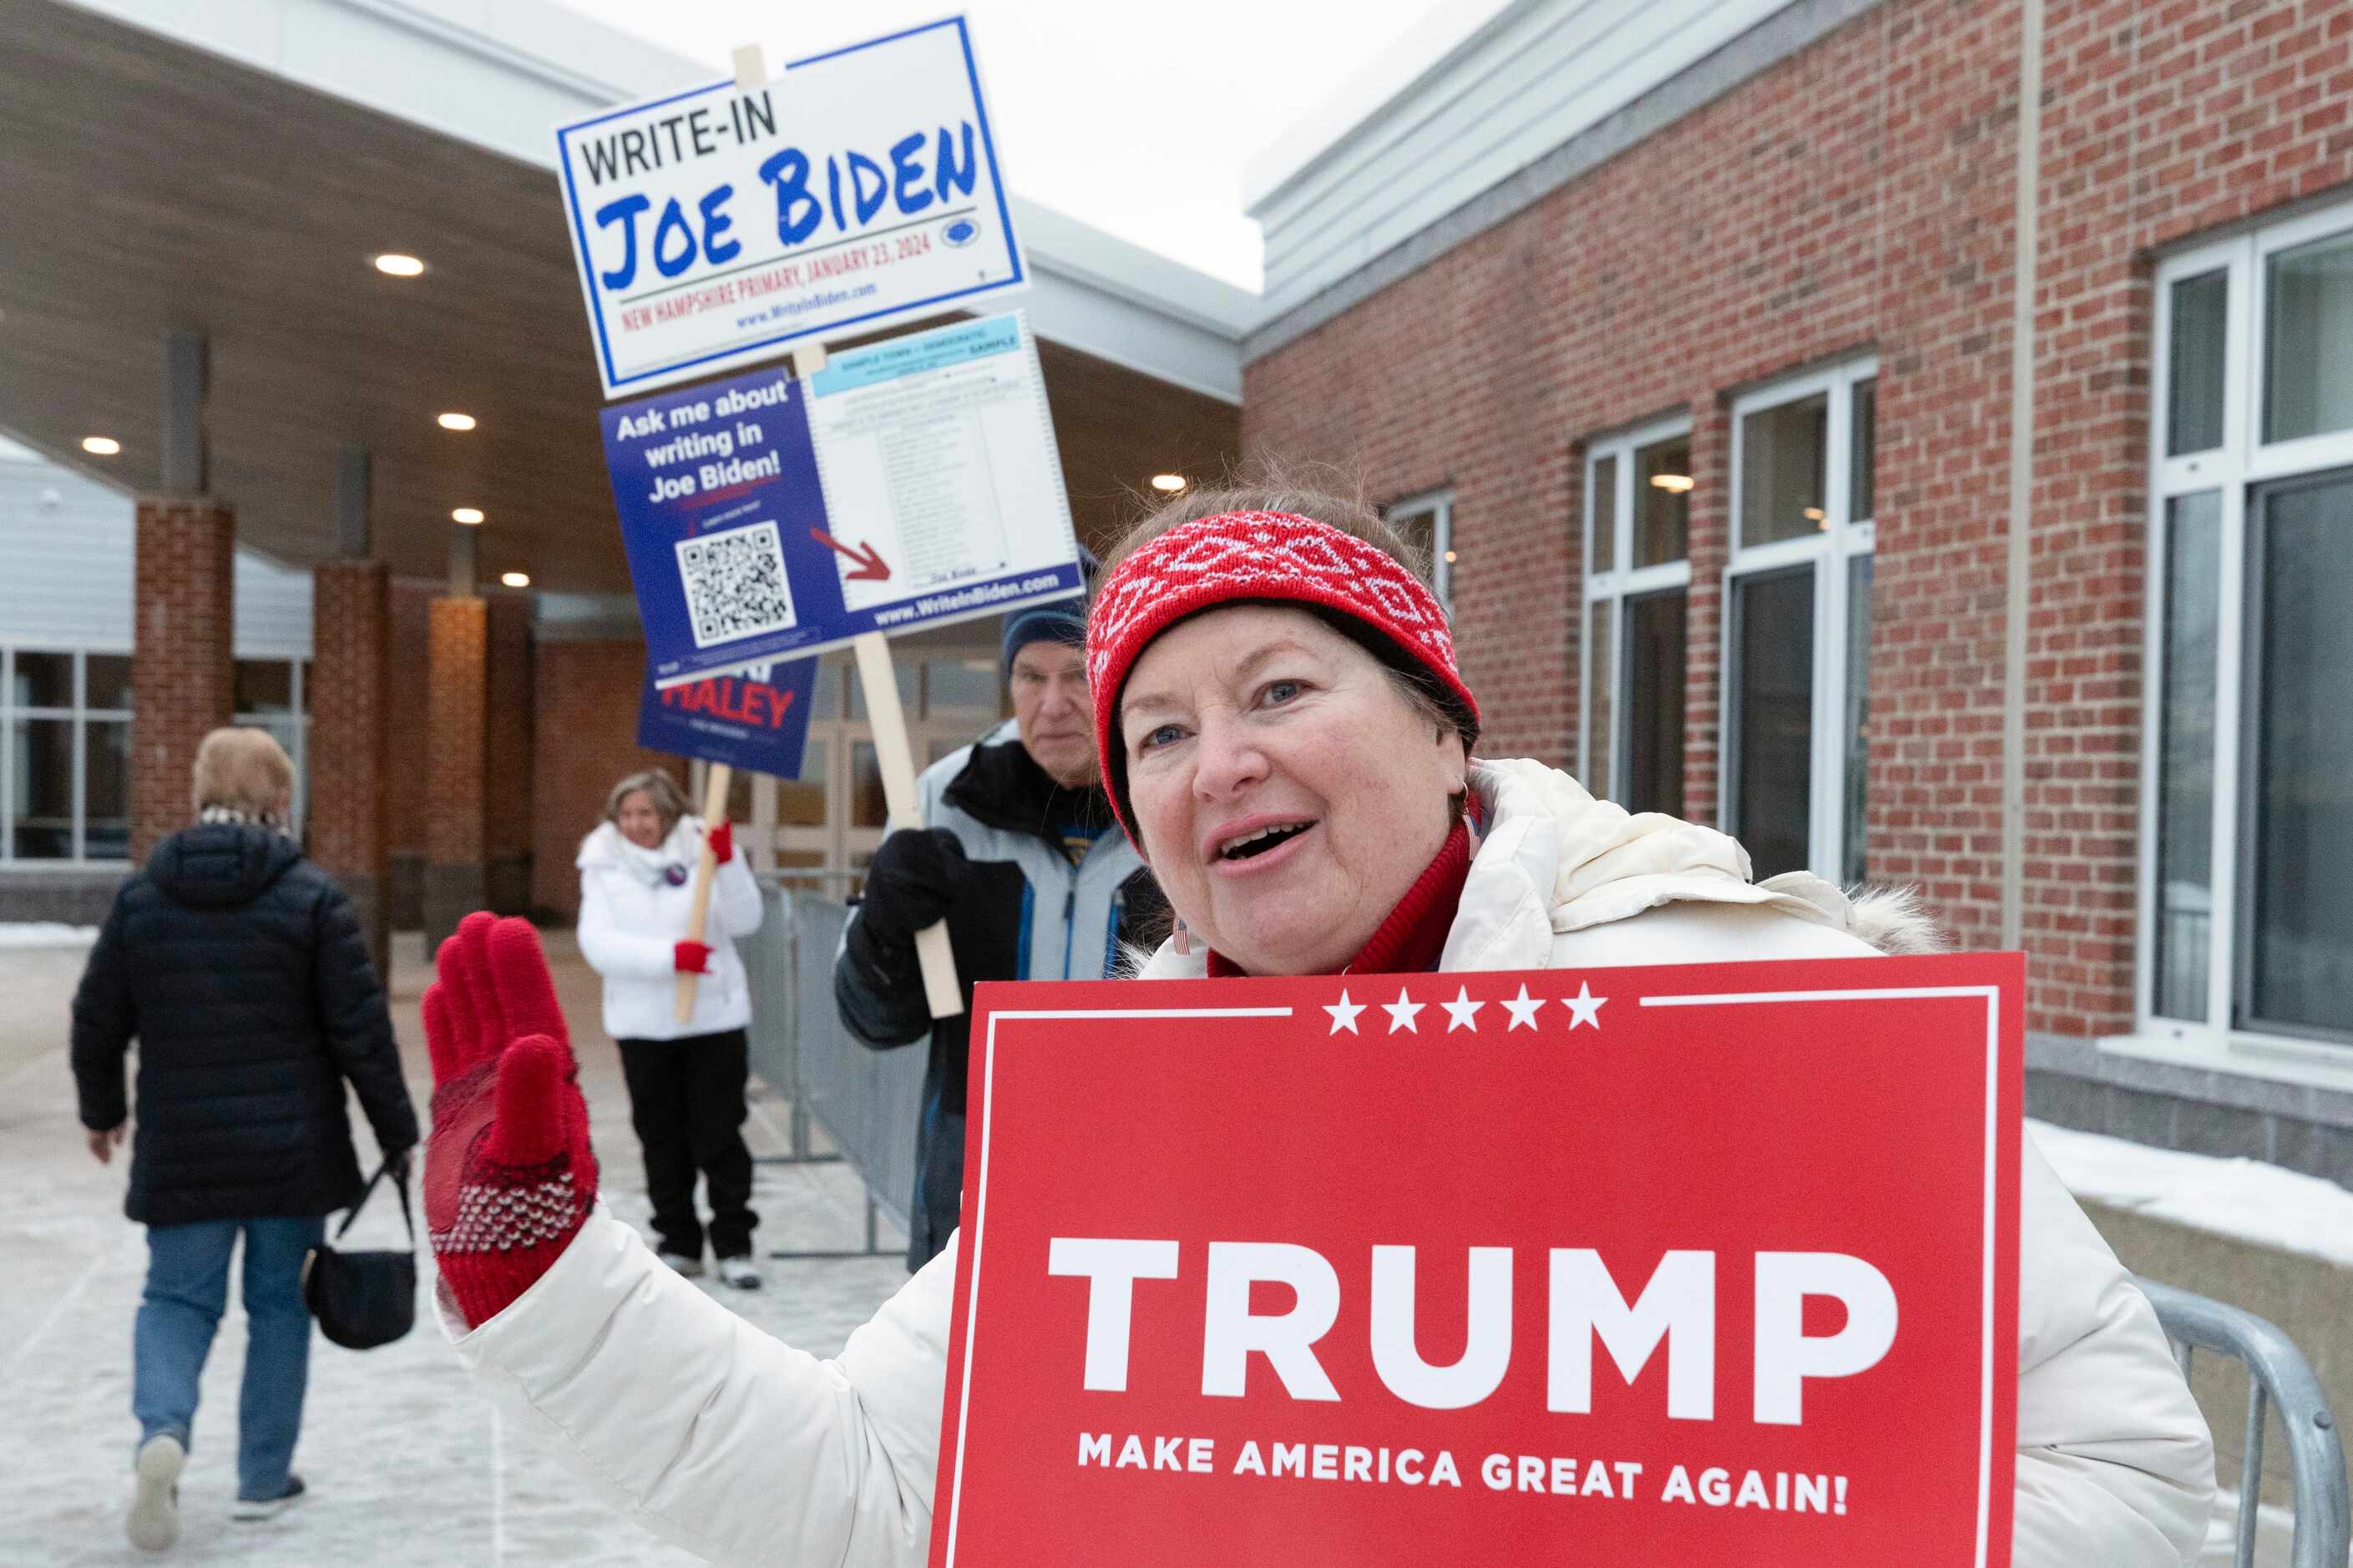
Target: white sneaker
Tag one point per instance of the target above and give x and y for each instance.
(690, 1267)
(154, 1521)
(740, 1272)
(249, 1510)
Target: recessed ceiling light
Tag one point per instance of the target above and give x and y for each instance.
(101, 446)
(455, 421)
(515, 579)
(1168, 483)
(1679, 483)
(466, 514)
(394, 265)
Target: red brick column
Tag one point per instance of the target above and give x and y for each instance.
(405, 773)
(351, 639)
(457, 669)
(507, 760)
(182, 671)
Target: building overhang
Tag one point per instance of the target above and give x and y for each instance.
(232, 170)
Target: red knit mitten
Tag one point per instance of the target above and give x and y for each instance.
(508, 1176)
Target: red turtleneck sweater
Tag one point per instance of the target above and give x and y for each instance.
(1414, 934)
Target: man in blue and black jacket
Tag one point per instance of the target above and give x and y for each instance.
(1020, 854)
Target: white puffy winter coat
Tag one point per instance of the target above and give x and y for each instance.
(632, 918)
(716, 1437)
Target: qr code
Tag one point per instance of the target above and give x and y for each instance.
(735, 585)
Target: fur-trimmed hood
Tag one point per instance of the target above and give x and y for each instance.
(1553, 862)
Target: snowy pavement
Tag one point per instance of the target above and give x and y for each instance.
(405, 1462)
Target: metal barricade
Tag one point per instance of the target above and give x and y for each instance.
(2277, 1374)
(869, 1102)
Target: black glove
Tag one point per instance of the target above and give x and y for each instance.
(916, 875)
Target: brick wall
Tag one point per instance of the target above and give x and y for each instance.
(507, 764)
(349, 631)
(585, 726)
(182, 674)
(1858, 197)
(456, 733)
(454, 881)
(405, 773)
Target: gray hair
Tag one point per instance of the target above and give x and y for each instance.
(661, 792)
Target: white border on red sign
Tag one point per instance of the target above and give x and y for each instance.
(1990, 994)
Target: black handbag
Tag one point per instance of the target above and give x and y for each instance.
(364, 1299)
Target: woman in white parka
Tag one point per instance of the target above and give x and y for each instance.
(686, 1079)
(1286, 736)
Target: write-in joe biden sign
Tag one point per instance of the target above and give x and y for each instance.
(714, 227)
(1709, 1264)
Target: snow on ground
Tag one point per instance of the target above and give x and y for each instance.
(2249, 1200)
(406, 1461)
(44, 934)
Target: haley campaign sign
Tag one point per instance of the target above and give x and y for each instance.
(715, 226)
(1709, 1264)
(754, 719)
(941, 500)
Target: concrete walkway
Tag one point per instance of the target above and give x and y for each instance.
(404, 1462)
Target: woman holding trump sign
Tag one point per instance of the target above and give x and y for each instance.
(1287, 738)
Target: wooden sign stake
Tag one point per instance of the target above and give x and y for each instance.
(896, 758)
(751, 67)
(706, 867)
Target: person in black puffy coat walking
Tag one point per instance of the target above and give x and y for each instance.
(239, 968)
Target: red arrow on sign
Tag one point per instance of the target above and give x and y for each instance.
(872, 567)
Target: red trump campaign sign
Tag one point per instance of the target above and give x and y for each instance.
(1710, 1264)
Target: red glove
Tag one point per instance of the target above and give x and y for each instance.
(691, 957)
(508, 1176)
(722, 840)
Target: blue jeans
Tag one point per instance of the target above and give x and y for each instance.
(188, 1286)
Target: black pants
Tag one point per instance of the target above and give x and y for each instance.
(686, 1101)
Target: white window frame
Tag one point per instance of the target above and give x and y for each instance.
(2242, 463)
(81, 715)
(1605, 593)
(1439, 506)
(1831, 553)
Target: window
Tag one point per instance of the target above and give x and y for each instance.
(2247, 820)
(273, 694)
(65, 756)
(1798, 624)
(1427, 523)
(1637, 490)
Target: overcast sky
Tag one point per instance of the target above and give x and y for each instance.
(1137, 116)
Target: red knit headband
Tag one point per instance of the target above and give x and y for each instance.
(1252, 555)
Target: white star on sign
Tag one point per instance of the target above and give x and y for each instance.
(1584, 1007)
(1523, 1010)
(1343, 1013)
(1459, 1011)
(1402, 1013)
